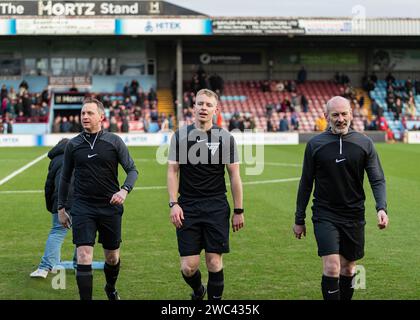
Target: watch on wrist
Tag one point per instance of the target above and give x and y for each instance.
(126, 188)
(172, 203)
(238, 211)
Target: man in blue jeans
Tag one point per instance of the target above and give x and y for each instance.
(57, 233)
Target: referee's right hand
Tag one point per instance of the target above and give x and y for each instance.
(176, 216)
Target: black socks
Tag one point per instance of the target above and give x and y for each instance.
(111, 275)
(84, 278)
(215, 285)
(346, 287)
(330, 288)
(195, 282)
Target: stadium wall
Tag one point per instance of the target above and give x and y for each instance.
(145, 139)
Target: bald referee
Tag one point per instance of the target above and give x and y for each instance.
(336, 161)
(198, 156)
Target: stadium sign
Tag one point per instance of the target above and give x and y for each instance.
(414, 137)
(257, 26)
(51, 8)
(69, 98)
(63, 26)
(222, 58)
(163, 27)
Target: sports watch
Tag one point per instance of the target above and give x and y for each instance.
(172, 203)
(238, 211)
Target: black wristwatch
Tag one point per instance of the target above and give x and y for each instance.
(238, 211)
(126, 188)
(172, 203)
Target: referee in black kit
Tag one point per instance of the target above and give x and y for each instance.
(336, 160)
(199, 153)
(98, 200)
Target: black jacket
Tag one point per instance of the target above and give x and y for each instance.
(56, 155)
(336, 163)
(94, 159)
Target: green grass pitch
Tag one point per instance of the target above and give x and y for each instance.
(266, 261)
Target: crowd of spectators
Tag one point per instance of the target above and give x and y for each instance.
(134, 109)
(22, 106)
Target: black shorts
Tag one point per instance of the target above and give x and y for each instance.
(344, 238)
(205, 226)
(87, 221)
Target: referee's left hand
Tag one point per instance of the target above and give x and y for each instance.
(119, 197)
(237, 222)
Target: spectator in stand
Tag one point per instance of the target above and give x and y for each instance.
(216, 83)
(43, 112)
(126, 91)
(321, 123)
(292, 86)
(134, 87)
(408, 86)
(295, 102)
(113, 125)
(265, 86)
(373, 77)
(152, 97)
(279, 86)
(390, 78)
(125, 125)
(76, 125)
(1, 126)
(304, 103)
(12, 94)
(284, 125)
(374, 107)
(171, 122)
(270, 127)
(137, 112)
(302, 75)
(398, 108)
(249, 122)
(128, 103)
(294, 121)
(417, 87)
(269, 109)
(164, 126)
(65, 126)
(9, 125)
(3, 92)
(371, 125)
(21, 117)
(411, 109)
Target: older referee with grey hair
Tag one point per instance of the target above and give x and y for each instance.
(336, 161)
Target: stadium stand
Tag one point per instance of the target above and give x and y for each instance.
(265, 102)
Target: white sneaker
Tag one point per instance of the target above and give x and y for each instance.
(39, 273)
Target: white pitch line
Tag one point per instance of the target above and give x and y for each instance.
(15, 173)
(163, 187)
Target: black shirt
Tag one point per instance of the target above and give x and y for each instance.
(95, 159)
(337, 164)
(202, 156)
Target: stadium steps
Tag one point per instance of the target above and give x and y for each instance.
(165, 102)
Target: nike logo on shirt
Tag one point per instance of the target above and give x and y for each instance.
(341, 160)
(92, 155)
(198, 140)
